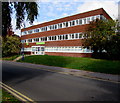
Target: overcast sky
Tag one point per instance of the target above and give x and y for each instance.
(55, 9)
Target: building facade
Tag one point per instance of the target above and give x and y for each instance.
(62, 37)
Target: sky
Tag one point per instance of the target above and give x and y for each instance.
(54, 9)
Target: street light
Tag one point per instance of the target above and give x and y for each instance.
(23, 45)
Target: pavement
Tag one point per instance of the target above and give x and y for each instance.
(74, 72)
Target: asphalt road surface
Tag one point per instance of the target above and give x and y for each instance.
(41, 85)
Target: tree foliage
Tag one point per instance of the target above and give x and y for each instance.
(10, 45)
(21, 10)
(101, 36)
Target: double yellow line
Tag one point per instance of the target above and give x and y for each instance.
(17, 94)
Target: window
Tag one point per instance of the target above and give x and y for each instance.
(55, 37)
(36, 39)
(98, 16)
(92, 18)
(70, 23)
(63, 37)
(88, 20)
(29, 40)
(55, 26)
(46, 28)
(77, 21)
(24, 32)
(80, 21)
(76, 35)
(70, 36)
(45, 38)
(60, 37)
(52, 37)
(80, 48)
(22, 41)
(30, 32)
(84, 21)
(66, 24)
(66, 36)
(73, 23)
(36, 30)
(49, 38)
(80, 35)
(60, 25)
(102, 17)
(42, 29)
(50, 27)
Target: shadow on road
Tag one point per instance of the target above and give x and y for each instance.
(19, 74)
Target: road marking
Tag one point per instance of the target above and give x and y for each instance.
(100, 79)
(84, 76)
(16, 93)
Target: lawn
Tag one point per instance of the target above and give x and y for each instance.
(6, 97)
(88, 64)
(10, 57)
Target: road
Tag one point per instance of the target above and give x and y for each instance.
(41, 85)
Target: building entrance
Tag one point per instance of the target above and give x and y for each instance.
(38, 50)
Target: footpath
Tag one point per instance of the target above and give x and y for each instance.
(74, 72)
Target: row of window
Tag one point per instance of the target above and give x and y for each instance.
(55, 38)
(27, 49)
(68, 49)
(64, 24)
(76, 49)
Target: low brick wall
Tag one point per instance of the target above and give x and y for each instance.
(27, 53)
(69, 54)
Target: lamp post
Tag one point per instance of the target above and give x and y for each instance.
(23, 45)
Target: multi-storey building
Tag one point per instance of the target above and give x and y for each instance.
(61, 36)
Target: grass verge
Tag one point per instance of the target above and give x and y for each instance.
(7, 97)
(88, 64)
(10, 57)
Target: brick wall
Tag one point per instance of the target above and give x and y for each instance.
(70, 54)
(73, 17)
(74, 29)
(77, 42)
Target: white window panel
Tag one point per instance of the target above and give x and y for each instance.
(77, 22)
(70, 36)
(94, 17)
(22, 33)
(48, 28)
(55, 26)
(98, 16)
(63, 24)
(76, 36)
(84, 21)
(88, 20)
(80, 21)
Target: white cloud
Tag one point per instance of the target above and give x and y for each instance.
(64, 14)
(111, 7)
(60, 8)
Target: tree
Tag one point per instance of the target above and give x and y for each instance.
(11, 45)
(113, 44)
(101, 35)
(21, 10)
